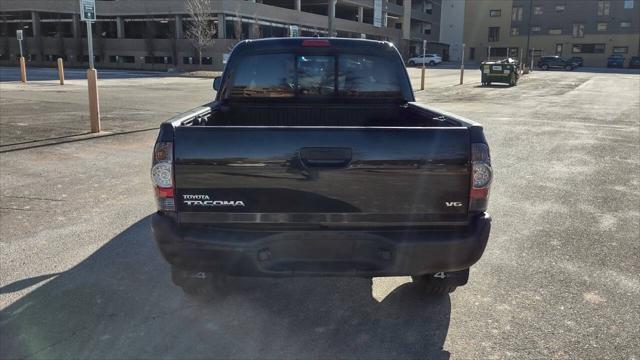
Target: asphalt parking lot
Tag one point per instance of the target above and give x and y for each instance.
(81, 277)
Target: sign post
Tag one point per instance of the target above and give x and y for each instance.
(88, 14)
(23, 65)
(424, 60)
(462, 65)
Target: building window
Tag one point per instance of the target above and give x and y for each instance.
(428, 8)
(515, 31)
(625, 24)
(555, 31)
(602, 26)
(495, 13)
(560, 8)
(604, 7)
(588, 48)
(516, 14)
(620, 49)
(537, 10)
(535, 29)
(426, 29)
(628, 4)
(578, 30)
(494, 33)
(559, 49)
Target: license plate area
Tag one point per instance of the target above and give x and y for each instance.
(329, 254)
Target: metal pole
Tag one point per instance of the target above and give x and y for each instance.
(424, 60)
(489, 55)
(20, 43)
(531, 68)
(90, 44)
(462, 66)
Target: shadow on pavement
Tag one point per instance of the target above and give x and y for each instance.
(25, 283)
(598, 70)
(120, 303)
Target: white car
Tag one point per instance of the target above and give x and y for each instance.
(429, 59)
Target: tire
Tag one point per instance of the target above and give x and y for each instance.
(441, 283)
(544, 67)
(513, 81)
(432, 63)
(412, 63)
(568, 68)
(430, 287)
(201, 286)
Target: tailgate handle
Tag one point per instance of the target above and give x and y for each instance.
(325, 156)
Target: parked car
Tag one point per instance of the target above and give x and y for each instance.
(634, 63)
(577, 61)
(316, 160)
(615, 60)
(555, 62)
(429, 59)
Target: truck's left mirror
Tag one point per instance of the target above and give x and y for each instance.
(216, 83)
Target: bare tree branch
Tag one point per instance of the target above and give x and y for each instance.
(201, 30)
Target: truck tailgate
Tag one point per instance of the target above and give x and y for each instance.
(321, 175)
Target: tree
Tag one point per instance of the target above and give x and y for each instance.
(201, 30)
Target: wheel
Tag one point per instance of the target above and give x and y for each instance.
(412, 63)
(432, 63)
(199, 285)
(430, 287)
(441, 283)
(513, 81)
(544, 67)
(568, 68)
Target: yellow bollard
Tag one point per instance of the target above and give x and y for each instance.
(23, 70)
(61, 71)
(94, 105)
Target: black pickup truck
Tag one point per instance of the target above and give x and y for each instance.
(315, 160)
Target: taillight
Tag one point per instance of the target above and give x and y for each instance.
(162, 176)
(481, 177)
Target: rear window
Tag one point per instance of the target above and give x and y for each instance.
(295, 75)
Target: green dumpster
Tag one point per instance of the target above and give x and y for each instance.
(501, 71)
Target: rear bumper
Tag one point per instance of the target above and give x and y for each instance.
(322, 252)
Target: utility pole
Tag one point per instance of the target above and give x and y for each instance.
(331, 12)
(424, 60)
(462, 65)
(529, 31)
